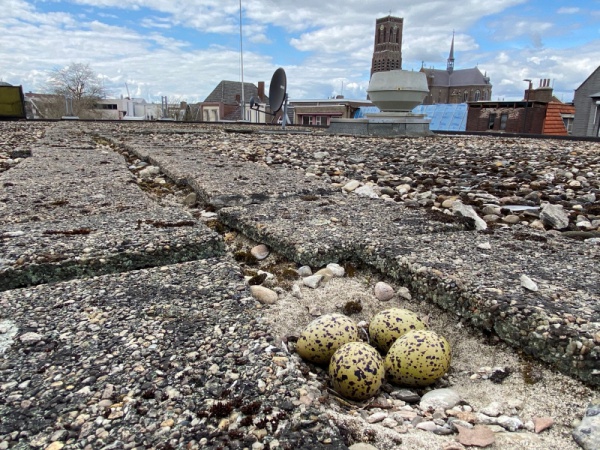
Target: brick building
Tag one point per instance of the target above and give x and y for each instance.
(456, 85)
(387, 51)
(539, 113)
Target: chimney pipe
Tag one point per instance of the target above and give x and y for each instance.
(261, 90)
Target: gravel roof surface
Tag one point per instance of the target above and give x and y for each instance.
(179, 353)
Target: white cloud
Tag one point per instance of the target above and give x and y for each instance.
(332, 41)
(568, 10)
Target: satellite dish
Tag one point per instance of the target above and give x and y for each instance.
(277, 90)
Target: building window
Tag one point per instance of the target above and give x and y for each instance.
(485, 95)
(106, 106)
(503, 120)
(477, 95)
(491, 121)
(466, 97)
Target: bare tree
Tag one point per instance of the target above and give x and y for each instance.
(78, 82)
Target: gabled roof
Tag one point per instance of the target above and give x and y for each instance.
(226, 92)
(458, 77)
(592, 75)
(553, 124)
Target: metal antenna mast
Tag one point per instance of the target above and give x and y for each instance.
(242, 66)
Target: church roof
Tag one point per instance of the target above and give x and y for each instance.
(458, 77)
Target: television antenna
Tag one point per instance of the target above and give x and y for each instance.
(278, 97)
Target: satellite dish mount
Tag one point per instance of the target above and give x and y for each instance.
(277, 97)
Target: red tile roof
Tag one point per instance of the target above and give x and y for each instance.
(553, 124)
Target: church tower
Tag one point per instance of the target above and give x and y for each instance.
(387, 54)
(450, 67)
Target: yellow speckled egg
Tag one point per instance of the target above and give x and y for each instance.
(390, 324)
(323, 336)
(418, 358)
(356, 371)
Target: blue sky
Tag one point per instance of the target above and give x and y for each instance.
(183, 49)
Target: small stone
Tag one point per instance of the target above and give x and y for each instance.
(60, 435)
(404, 293)
(377, 417)
(336, 269)
(554, 216)
(492, 410)
(427, 426)
(491, 218)
(510, 423)
(149, 172)
(485, 246)
(587, 433)
(460, 209)
(478, 436)
(260, 252)
(511, 219)
(366, 191)
(296, 291)
(528, 283)
(264, 295)
(304, 271)
(30, 338)
(383, 291)
(388, 422)
(190, 200)
(439, 398)
(351, 186)
(449, 202)
(542, 423)
(362, 446)
(453, 446)
(326, 274)
(537, 225)
(55, 446)
(313, 281)
(406, 396)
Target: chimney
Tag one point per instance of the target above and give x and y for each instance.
(261, 90)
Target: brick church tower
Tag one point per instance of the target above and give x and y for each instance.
(387, 54)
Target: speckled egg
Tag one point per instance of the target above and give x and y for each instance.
(418, 358)
(356, 371)
(390, 324)
(323, 336)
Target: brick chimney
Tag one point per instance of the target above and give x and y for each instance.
(542, 94)
(261, 90)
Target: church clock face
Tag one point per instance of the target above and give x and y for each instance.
(382, 28)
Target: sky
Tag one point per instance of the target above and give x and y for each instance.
(183, 49)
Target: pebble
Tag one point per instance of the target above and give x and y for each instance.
(325, 273)
(264, 295)
(304, 271)
(260, 252)
(30, 338)
(460, 209)
(383, 291)
(313, 281)
(528, 283)
(336, 270)
(554, 216)
(366, 191)
(587, 433)
(404, 293)
(351, 186)
(542, 423)
(439, 399)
